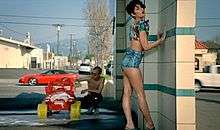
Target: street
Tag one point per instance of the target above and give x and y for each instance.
(207, 110)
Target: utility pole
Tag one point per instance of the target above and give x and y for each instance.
(75, 49)
(71, 49)
(58, 26)
(1, 32)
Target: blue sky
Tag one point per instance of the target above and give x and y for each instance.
(45, 8)
(208, 9)
(74, 9)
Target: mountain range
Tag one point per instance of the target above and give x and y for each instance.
(64, 48)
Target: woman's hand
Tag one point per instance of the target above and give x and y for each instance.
(161, 36)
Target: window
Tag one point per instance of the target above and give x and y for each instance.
(196, 64)
(218, 70)
(206, 69)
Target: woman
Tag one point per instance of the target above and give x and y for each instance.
(132, 78)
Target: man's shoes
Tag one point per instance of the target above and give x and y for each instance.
(96, 111)
(89, 112)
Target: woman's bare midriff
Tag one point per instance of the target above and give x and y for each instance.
(136, 45)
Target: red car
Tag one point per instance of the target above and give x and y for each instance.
(45, 77)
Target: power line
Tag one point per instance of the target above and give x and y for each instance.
(4, 26)
(42, 24)
(208, 18)
(43, 17)
(208, 26)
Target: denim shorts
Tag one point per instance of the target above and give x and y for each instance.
(131, 59)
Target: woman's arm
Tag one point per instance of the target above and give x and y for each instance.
(146, 45)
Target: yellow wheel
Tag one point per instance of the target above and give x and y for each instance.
(75, 110)
(42, 111)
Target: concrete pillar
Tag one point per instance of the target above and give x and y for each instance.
(185, 45)
(121, 44)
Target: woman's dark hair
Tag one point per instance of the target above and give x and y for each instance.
(98, 68)
(131, 5)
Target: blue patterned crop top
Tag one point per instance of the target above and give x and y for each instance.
(136, 28)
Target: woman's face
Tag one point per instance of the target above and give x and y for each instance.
(138, 12)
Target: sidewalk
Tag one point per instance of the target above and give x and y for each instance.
(19, 113)
(109, 118)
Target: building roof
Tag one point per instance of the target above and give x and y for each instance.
(200, 45)
(17, 42)
(212, 45)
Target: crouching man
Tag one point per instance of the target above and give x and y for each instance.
(95, 86)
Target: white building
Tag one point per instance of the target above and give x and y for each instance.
(203, 57)
(16, 54)
(60, 62)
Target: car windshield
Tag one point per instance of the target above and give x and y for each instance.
(206, 69)
(54, 72)
(60, 72)
(45, 72)
(84, 65)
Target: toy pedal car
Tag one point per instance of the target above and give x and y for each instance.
(60, 96)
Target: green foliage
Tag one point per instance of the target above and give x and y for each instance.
(89, 56)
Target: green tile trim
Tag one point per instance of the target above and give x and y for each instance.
(171, 91)
(119, 76)
(152, 38)
(180, 31)
(185, 31)
(167, 90)
(170, 33)
(150, 87)
(120, 24)
(120, 50)
(185, 92)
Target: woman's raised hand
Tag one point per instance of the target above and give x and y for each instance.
(161, 36)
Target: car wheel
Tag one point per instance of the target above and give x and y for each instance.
(198, 86)
(32, 81)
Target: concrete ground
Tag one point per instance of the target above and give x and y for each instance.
(207, 110)
(18, 110)
(19, 104)
(109, 118)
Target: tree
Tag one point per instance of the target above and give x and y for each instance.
(100, 29)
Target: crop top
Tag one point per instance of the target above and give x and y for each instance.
(136, 28)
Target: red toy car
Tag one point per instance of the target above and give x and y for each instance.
(45, 77)
(60, 96)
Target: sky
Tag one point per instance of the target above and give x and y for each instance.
(207, 9)
(74, 9)
(43, 8)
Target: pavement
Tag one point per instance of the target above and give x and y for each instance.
(207, 110)
(110, 117)
(19, 104)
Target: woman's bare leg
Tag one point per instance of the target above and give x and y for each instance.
(126, 102)
(135, 79)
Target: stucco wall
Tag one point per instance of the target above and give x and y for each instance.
(13, 56)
